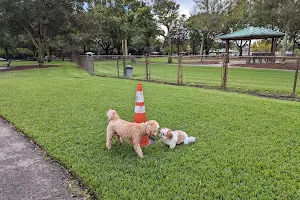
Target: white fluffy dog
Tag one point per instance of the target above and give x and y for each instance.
(172, 138)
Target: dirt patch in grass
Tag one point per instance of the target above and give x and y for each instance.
(201, 63)
(16, 68)
(290, 66)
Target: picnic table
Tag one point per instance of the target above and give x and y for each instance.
(260, 56)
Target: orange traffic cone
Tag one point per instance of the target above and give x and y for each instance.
(140, 113)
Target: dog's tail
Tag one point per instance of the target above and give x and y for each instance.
(191, 140)
(112, 115)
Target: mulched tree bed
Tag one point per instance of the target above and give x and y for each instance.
(196, 61)
(16, 68)
(203, 62)
(290, 66)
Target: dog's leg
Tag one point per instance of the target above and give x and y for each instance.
(172, 146)
(120, 140)
(109, 135)
(137, 148)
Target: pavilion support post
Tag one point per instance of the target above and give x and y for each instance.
(273, 49)
(249, 50)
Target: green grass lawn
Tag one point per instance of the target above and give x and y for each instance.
(247, 147)
(259, 80)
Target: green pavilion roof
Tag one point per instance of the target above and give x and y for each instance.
(252, 33)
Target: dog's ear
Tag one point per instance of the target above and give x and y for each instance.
(169, 134)
(152, 127)
(112, 114)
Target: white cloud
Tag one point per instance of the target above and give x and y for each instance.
(184, 11)
(185, 6)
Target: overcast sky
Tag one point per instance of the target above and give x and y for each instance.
(185, 6)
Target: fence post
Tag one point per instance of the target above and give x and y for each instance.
(147, 66)
(124, 65)
(180, 77)
(91, 64)
(295, 79)
(118, 68)
(224, 71)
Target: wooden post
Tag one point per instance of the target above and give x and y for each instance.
(124, 65)
(118, 68)
(91, 65)
(124, 56)
(147, 67)
(295, 79)
(224, 72)
(273, 49)
(249, 50)
(180, 76)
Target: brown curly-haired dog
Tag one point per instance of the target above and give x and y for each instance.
(129, 130)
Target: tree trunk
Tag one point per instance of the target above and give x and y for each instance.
(241, 51)
(193, 48)
(48, 54)
(202, 45)
(170, 47)
(41, 52)
(294, 44)
(6, 52)
(119, 49)
(99, 50)
(63, 53)
(284, 43)
(84, 50)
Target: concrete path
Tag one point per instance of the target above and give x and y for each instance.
(24, 172)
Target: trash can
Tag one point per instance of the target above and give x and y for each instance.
(128, 71)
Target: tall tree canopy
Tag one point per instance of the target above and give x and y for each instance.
(166, 12)
(40, 19)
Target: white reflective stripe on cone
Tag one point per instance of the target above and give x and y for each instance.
(139, 96)
(139, 109)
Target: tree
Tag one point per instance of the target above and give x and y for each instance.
(167, 13)
(7, 41)
(179, 32)
(145, 28)
(209, 20)
(276, 15)
(194, 39)
(110, 23)
(238, 17)
(40, 19)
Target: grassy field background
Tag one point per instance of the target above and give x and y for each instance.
(247, 147)
(264, 81)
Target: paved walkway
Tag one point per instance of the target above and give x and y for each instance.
(25, 174)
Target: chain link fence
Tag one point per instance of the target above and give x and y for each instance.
(261, 75)
(85, 62)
